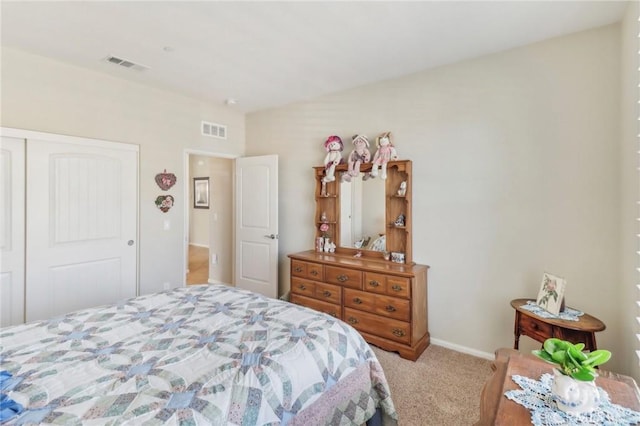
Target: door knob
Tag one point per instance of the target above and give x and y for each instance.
(130, 242)
(272, 236)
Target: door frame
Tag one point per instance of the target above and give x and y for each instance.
(187, 205)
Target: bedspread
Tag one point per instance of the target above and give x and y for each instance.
(208, 355)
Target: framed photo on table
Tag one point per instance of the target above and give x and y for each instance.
(551, 294)
(201, 193)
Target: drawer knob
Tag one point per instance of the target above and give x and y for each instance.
(357, 301)
(333, 314)
(389, 308)
(396, 287)
(342, 278)
(314, 272)
(353, 320)
(374, 283)
(326, 293)
(302, 287)
(398, 332)
(298, 269)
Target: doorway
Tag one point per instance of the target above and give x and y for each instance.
(209, 218)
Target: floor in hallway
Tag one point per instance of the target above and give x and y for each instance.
(198, 265)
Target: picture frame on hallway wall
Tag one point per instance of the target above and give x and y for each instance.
(551, 293)
(201, 193)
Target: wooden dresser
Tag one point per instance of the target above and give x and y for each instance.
(386, 302)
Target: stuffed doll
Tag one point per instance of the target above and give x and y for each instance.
(334, 147)
(385, 153)
(360, 155)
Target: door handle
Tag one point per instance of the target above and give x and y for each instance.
(130, 242)
(272, 236)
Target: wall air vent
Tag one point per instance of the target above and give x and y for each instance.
(125, 63)
(214, 130)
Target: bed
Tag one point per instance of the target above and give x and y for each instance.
(206, 355)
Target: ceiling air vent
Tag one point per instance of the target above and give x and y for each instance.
(126, 63)
(214, 130)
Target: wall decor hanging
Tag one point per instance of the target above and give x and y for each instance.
(201, 193)
(165, 180)
(164, 202)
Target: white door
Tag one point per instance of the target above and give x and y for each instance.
(12, 231)
(81, 225)
(256, 263)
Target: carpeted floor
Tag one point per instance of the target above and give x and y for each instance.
(441, 388)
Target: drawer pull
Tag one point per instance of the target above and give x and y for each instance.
(396, 287)
(342, 278)
(374, 283)
(314, 272)
(357, 301)
(326, 293)
(302, 287)
(298, 269)
(389, 308)
(398, 332)
(333, 314)
(353, 320)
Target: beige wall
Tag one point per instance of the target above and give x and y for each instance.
(221, 221)
(49, 96)
(516, 172)
(198, 218)
(630, 190)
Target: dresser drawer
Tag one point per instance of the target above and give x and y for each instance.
(359, 300)
(399, 286)
(318, 305)
(391, 329)
(392, 307)
(303, 287)
(387, 306)
(387, 284)
(343, 276)
(308, 270)
(530, 326)
(328, 292)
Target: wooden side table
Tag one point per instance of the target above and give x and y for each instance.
(540, 329)
(496, 409)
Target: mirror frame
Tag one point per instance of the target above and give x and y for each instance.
(398, 238)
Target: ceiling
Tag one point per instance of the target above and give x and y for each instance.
(267, 54)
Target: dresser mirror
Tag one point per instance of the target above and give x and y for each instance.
(362, 214)
(369, 218)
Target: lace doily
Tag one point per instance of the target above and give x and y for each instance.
(536, 397)
(568, 314)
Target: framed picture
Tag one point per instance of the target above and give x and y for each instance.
(201, 193)
(551, 293)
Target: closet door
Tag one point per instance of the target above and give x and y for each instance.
(81, 225)
(12, 231)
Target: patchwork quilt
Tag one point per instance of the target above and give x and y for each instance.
(200, 355)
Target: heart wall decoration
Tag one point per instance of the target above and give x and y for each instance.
(165, 180)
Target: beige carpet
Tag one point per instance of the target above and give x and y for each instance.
(441, 388)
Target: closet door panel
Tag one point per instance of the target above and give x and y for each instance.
(81, 226)
(12, 189)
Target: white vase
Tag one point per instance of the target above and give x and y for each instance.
(574, 396)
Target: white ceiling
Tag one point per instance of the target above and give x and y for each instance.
(267, 54)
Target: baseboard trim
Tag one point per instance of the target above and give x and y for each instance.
(463, 349)
(199, 245)
(212, 281)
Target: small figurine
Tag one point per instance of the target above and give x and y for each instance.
(402, 191)
(323, 217)
(399, 220)
(360, 155)
(334, 147)
(385, 153)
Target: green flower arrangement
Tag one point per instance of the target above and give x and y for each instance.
(571, 360)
